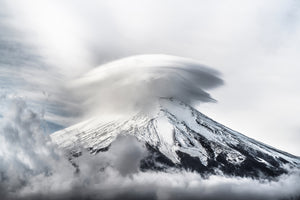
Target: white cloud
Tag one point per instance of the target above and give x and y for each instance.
(32, 168)
(137, 82)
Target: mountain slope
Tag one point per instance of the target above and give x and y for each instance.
(181, 137)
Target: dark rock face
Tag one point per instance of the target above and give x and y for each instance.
(155, 160)
(250, 167)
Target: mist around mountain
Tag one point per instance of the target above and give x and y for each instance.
(144, 99)
(139, 138)
(34, 167)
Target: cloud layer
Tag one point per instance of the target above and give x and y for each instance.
(33, 168)
(135, 83)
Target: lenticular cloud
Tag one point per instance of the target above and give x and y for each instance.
(136, 82)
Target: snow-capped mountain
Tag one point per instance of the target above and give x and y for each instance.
(179, 136)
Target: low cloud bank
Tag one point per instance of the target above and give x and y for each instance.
(31, 167)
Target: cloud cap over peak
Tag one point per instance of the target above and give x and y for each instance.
(136, 82)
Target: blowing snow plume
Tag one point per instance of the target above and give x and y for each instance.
(135, 83)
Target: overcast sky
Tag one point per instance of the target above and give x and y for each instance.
(254, 44)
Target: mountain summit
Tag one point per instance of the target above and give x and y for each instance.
(179, 136)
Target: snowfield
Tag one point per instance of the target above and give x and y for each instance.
(184, 136)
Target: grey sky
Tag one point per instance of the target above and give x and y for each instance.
(254, 44)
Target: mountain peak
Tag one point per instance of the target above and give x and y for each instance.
(177, 135)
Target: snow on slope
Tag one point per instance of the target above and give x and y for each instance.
(177, 127)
